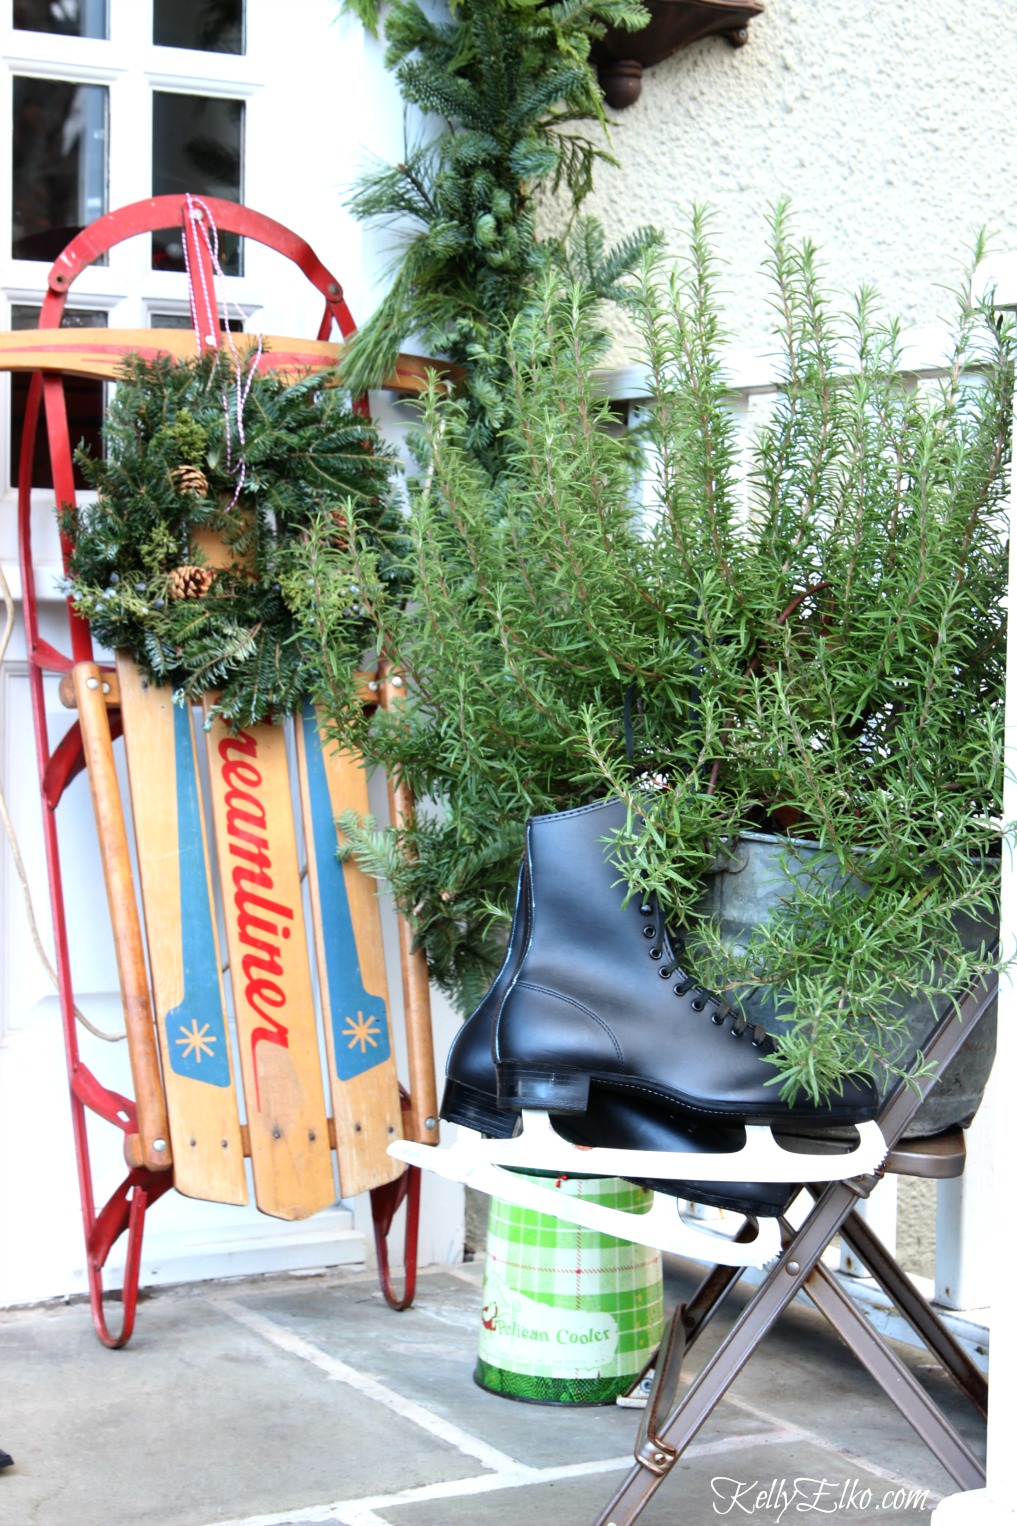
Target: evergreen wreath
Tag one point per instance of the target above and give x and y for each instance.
(180, 462)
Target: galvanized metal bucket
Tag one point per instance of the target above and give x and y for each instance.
(757, 873)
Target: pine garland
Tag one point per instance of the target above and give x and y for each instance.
(138, 571)
(521, 115)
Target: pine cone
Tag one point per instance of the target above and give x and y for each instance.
(190, 479)
(190, 582)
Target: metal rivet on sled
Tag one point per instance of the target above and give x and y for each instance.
(91, 683)
(430, 1123)
(793, 1268)
(159, 1144)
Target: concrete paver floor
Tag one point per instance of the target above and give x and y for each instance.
(286, 1400)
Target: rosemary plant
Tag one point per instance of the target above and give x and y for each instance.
(817, 651)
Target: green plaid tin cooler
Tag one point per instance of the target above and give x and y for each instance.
(570, 1316)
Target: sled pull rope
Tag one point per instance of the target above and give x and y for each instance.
(19, 863)
(201, 218)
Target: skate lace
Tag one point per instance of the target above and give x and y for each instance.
(663, 946)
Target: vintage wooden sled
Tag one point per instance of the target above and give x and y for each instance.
(224, 1073)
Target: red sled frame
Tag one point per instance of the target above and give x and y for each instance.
(126, 1208)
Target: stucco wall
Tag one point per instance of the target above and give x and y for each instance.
(891, 127)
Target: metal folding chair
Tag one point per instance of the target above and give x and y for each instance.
(668, 1427)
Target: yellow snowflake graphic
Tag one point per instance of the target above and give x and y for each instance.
(361, 1030)
(196, 1041)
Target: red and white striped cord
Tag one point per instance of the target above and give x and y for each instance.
(201, 217)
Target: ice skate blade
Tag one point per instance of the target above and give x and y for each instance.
(761, 1158)
(660, 1228)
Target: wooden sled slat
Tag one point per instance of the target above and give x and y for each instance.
(183, 945)
(101, 354)
(150, 1147)
(351, 968)
(273, 999)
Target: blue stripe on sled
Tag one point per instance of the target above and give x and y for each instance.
(195, 1030)
(359, 1018)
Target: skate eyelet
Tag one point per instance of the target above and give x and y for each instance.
(715, 1017)
(655, 953)
(649, 932)
(681, 987)
(758, 1043)
(646, 910)
(737, 1032)
(698, 1005)
(665, 973)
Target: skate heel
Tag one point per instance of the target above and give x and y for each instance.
(554, 1091)
(476, 1110)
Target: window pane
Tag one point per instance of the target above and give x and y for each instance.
(84, 402)
(184, 321)
(197, 146)
(213, 26)
(59, 163)
(71, 18)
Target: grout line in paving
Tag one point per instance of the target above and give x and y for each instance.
(341, 1372)
(506, 1471)
(360, 1511)
(489, 1483)
(836, 1450)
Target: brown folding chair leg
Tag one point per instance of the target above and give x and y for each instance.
(869, 1249)
(894, 1378)
(798, 1266)
(696, 1313)
(715, 1378)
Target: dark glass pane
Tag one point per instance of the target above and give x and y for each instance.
(84, 402)
(71, 18)
(59, 163)
(197, 146)
(184, 321)
(213, 26)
